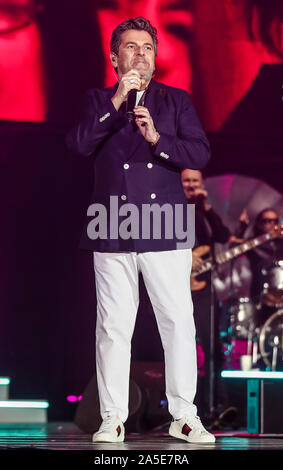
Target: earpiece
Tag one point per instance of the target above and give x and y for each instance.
(113, 58)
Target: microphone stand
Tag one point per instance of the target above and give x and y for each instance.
(212, 337)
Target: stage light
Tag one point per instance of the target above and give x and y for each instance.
(73, 398)
(251, 374)
(23, 404)
(4, 381)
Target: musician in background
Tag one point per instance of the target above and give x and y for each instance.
(268, 254)
(209, 230)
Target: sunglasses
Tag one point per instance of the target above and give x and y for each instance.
(270, 221)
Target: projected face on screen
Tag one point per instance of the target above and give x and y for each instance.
(22, 89)
(214, 50)
(174, 22)
(230, 45)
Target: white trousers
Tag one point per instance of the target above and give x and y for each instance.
(166, 276)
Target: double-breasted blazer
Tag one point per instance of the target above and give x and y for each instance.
(130, 169)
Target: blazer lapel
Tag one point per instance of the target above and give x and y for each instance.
(154, 99)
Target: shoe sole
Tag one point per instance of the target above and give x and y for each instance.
(192, 440)
(103, 438)
(107, 440)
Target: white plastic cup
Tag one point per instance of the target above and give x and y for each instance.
(246, 361)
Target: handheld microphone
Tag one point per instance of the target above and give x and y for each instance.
(131, 103)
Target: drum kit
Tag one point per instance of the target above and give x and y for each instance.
(258, 324)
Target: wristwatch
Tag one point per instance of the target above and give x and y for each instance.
(157, 139)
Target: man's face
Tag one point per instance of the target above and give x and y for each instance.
(173, 20)
(191, 180)
(136, 51)
(269, 220)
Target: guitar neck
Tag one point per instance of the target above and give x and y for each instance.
(228, 255)
(243, 248)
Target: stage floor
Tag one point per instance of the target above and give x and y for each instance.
(68, 437)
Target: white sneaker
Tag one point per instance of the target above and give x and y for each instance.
(111, 430)
(190, 429)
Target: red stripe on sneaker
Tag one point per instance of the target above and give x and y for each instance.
(186, 429)
(118, 429)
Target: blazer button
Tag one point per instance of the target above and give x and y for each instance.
(123, 197)
(126, 166)
(153, 195)
(149, 165)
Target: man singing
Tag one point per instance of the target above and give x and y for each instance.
(138, 153)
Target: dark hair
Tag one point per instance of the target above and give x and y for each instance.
(259, 218)
(139, 23)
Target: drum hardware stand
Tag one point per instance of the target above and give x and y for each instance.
(252, 346)
(212, 337)
(274, 353)
(255, 355)
(250, 343)
(212, 348)
(232, 293)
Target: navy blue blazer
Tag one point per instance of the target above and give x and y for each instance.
(130, 169)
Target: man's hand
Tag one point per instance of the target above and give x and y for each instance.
(234, 239)
(244, 217)
(200, 194)
(197, 261)
(129, 81)
(145, 124)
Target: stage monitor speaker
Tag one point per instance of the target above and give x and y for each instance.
(147, 401)
(87, 416)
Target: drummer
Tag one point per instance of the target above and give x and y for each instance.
(267, 255)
